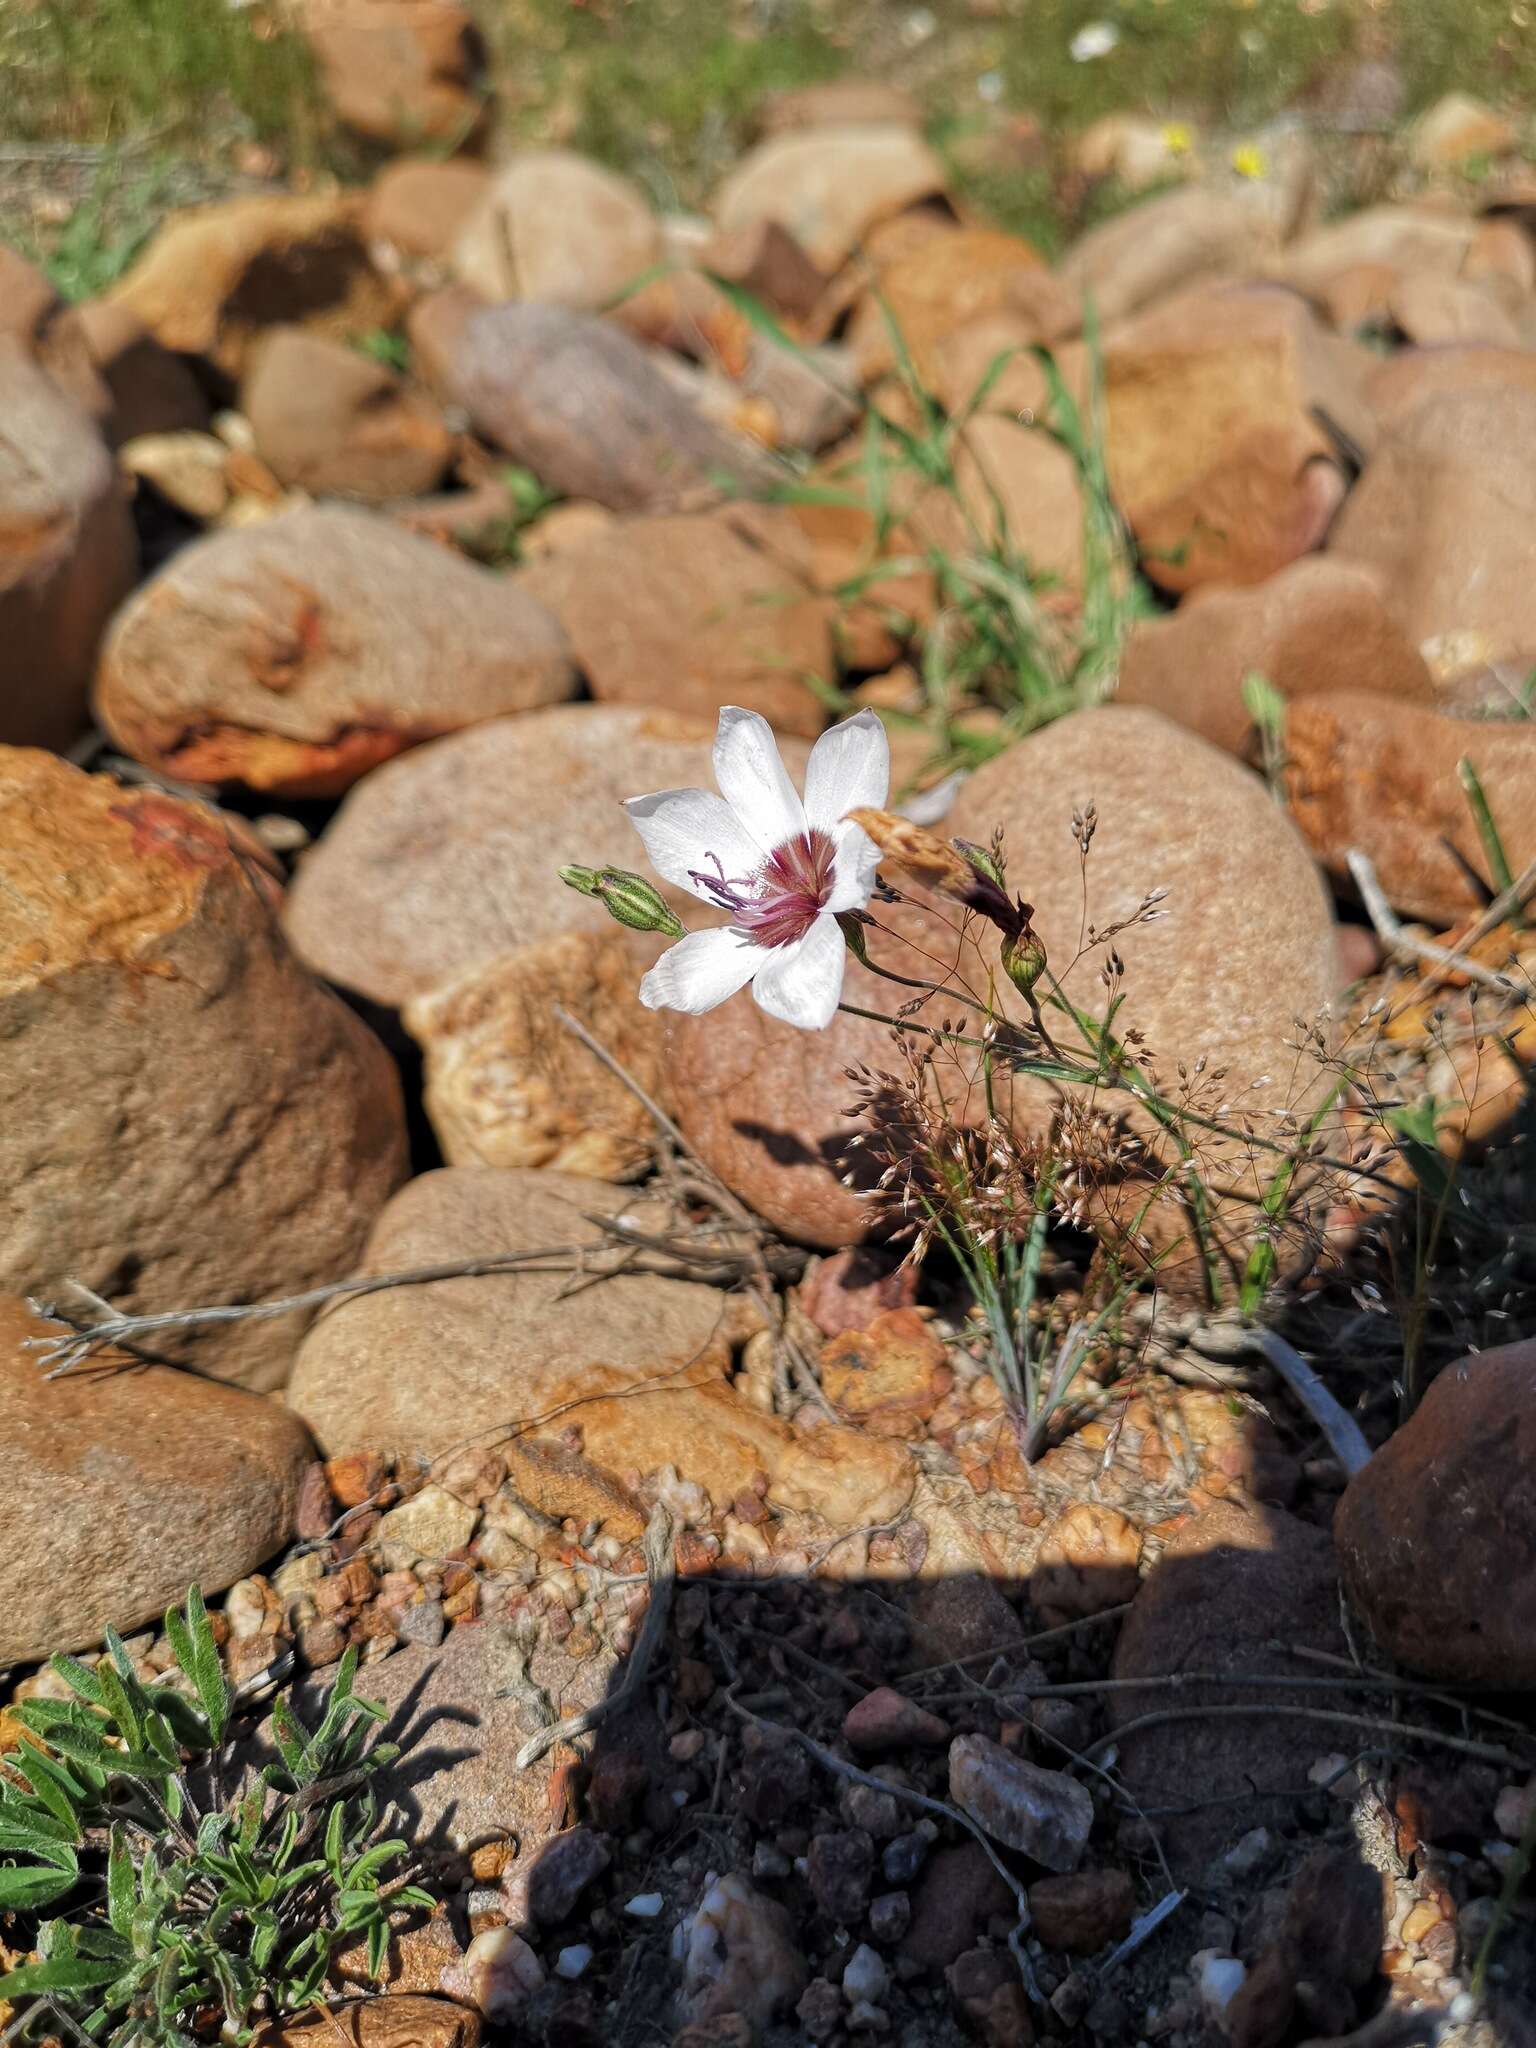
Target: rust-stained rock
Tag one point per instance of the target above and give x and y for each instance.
(214, 276)
(401, 72)
(403, 2020)
(680, 612)
(1364, 771)
(888, 1378)
(67, 551)
(186, 1118)
(125, 1484)
(296, 655)
(507, 1084)
(1217, 455)
(948, 283)
(1317, 626)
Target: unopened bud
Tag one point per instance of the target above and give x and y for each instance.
(1023, 959)
(629, 898)
(851, 925)
(982, 858)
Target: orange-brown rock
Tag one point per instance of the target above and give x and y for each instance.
(402, 72)
(681, 613)
(1363, 771)
(417, 1370)
(125, 1484)
(1436, 1536)
(296, 655)
(1445, 513)
(444, 860)
(403, 2020)
(829, 185)
(330, 421)
(67, 552)
(52, 333)
(888, 1378)
(945, 285)
(214, 276)
(1216, 455)
(507, 1084)
(419, 205)
(766, 260)
(1316, 626)
(1456, 128)
(558, 229)
(240, 1126)
(1088, 1561)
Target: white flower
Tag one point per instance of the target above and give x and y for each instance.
(1097, 39)
(784, 869)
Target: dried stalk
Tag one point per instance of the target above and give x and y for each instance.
(1397, 939)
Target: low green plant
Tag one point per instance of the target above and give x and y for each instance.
(190, 1906)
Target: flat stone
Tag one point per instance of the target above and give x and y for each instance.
(1045, 1815)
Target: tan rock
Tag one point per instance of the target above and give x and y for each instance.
(420, 205)
(443, 861)
(417, 1370)
(1088, 1561)
(828, 185)
(766, 260)
(403, 2020)
(1364, 771)
(127, 1483)
(508, 1085)
(1319, 625)
(1021, 487)
(1134, 151)
(570, 524)
(1437, 312)
(679, 612)
(1435, 1536)
(945, 285)
(990, 365)
(242, 1125)
(560, 230)
(402, 72)
(67, 552)
(295, 655)
(214, 276)
(1406, 380)
(584, 407)
(1216, 455)
(152, 391)
(1445, 513)
(330, 421)
(1401, 237)
(1456, 129)
(187, 469)
(1501, 254)
(1166, 244)
(433, 327)
(52, 333)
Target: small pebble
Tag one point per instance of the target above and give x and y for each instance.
(573, 1962)
(890, 1916)
(767, 1861)
(644, 1906)
(1219, 1979)
(865, 1979)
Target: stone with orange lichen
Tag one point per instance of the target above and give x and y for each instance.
(185, 1115)
(1088, 1561)
(945, 284)
(296, 655)
(889, 1378)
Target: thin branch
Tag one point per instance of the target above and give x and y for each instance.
(1485, 1752)
(1397, 939)
(1344, 1435)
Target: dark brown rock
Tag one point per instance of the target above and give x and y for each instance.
(296, 655)
(1319, 625)
(581, 405)
(1082, 1911)
(125, 1484)
(241, 1126)
(958, 1892)
(152, 390)
(1364, 771)
(1231, 1585)
(1435, 1536)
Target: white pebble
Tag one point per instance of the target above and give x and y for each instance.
(573, 1962)
(644, 1906)
(1219, 1979)
(866, 1978)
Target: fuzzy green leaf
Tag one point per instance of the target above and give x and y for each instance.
(64, 1973)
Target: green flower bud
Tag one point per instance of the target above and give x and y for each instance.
(1023, 959)
(629, 898)
(981, 858)
(851, 925)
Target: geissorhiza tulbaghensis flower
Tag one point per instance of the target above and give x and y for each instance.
(784, 867)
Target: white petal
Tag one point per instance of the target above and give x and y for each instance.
(801, 983)
(855, 859)
(849, 766)
(700, 971)
(754, 781)
(692, 831)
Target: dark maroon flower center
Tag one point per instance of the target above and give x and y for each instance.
(780, 903)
